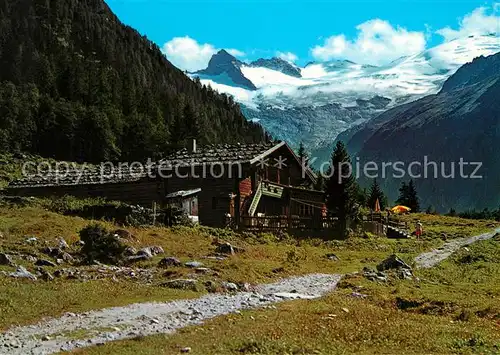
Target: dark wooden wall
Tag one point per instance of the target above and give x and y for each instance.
(291, 174)
(214, 200)
(314, 200)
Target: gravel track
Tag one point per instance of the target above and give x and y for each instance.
(142, 319)
(432, 258)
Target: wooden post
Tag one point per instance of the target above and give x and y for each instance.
(238, 209)
(154, 213)
(289, 210)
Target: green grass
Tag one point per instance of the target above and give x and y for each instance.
(456, 310)
(442, 227)
(23, 302)
(265, 259)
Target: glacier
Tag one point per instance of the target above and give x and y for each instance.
(317, 102)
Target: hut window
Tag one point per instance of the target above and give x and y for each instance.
(214, 203)
(305, 210)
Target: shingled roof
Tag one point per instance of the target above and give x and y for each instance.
(221, 154)
(209, 154)
(84, 175)
(226, 154)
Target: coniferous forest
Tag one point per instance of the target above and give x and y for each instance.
(77, 84)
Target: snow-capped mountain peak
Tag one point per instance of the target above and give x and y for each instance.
(315, 103)
(225, 68)
(278, 64)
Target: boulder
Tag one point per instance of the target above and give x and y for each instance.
(67, 257)
(225, 248)
(182, 284)
(217, 256)
(138, 257)
(151, 251)
(230, 286)
(129, 251)
(404, 274)
(392, 262)
(6, 259)
(194, 264)
(373, 275)
(44, 262)
(170, 261)
(157, 250)
(124, 234)
(332, 257)
(202, 270)
(145, 252)
(21, 272)
(45, 275)
(63, 244)
(53, 252)
(228, 249)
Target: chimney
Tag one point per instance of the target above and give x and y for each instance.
(192, 146)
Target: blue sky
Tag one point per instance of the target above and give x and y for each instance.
(190, 31)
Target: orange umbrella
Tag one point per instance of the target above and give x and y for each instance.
(400, 209)
(377, 206)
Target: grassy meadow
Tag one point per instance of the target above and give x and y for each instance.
(456, 303)
(452, 309)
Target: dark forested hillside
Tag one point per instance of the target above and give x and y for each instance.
(460, 123)
(77, 84)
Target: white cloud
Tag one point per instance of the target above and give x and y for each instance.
(235, 52)
(377, 42)
(288, 56)
(481, 21)
(187, 54)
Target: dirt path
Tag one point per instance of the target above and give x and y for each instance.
(142, 319)
(432, 258)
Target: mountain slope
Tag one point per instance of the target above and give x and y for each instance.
(77, 84)
(461, 122)
(278, 64)
(221, 65)
(284, 103)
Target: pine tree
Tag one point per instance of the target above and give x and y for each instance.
(320, 182)
(304, 161)
(375, 194)
(302, 154)
(408, 196)
(452, 213)
(413, 200)
(85, 87)
(403, 194)
(341, 189)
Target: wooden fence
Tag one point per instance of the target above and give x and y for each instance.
(389, 221)
(286, 224)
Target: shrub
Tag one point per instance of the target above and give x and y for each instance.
(175, 216)
(101, 209)
(101, 245)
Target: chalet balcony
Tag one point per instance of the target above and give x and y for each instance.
(295, 225)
